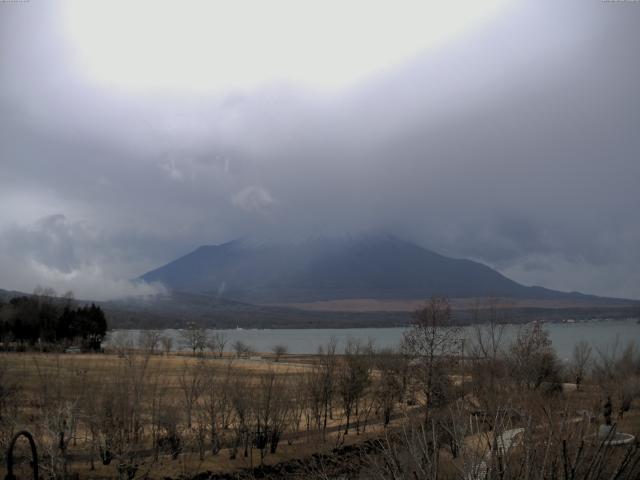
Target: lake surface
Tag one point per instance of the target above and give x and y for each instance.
(601, 334)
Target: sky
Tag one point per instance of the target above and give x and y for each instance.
(501, 131)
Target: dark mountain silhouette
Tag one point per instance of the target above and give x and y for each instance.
(370, 266)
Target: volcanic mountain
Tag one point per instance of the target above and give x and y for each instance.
(368, 266)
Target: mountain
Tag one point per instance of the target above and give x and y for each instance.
(368, 266)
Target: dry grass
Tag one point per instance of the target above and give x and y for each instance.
(410, 305)
(74, 376)
(82, 375)
(29, 369)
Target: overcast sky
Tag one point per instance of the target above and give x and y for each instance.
(508, 135)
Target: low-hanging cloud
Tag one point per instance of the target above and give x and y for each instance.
(63, 255)
(505, 145)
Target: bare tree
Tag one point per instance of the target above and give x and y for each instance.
(241, 399)
(388, 384)
(169, 439)
(532, 359)
(580, 361)
(167, 344)
(270, 413)
(313, 393)
(616, 371)
(194, 337)
(217, 342)
(354, 376)
(488, 350)
(122, 342)
(432, 340)
(191, 384)
(242, 349)
(59, 429)
(327, 379)
(59, 402)
(300, 403)
(217, 406)
(122, 419)
(149, 340)
(160, 413)
(279, 351)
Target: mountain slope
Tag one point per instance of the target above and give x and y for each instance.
(371, 266)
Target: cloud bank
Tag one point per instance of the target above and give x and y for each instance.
(57, 253)
(514, 144)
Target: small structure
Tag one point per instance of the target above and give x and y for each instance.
(607, 432)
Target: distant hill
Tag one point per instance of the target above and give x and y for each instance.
(369, 266)
(175, 309)
(6, 295)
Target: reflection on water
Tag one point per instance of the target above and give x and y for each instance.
(600, 334)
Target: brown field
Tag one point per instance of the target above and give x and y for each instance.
(410, 305)
(63, 379)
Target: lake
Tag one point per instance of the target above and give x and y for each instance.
(601, 334)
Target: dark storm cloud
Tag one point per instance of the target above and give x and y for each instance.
(516, 144)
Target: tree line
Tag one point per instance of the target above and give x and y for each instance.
(50, 322)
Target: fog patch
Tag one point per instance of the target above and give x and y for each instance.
(253, 199)
(64, 255)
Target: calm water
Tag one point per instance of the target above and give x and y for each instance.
(600, 334)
